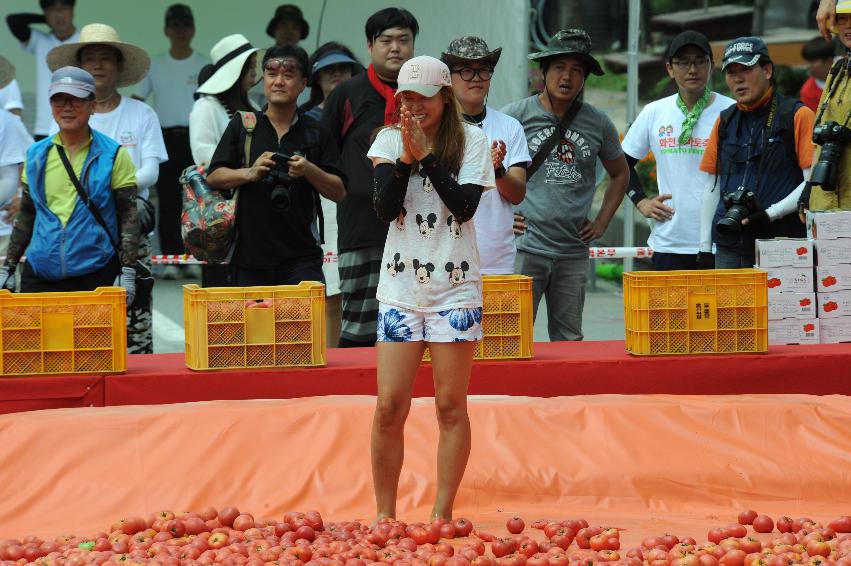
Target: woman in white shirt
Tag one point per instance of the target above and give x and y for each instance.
(429, 176)
(223, 92)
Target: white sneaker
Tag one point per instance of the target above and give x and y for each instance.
(192, 271)
(170, 273)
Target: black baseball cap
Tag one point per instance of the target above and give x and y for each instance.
(178, 14)
(747, 51)
(689, 37)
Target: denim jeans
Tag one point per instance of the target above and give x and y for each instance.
(733, 257)
(563, 282)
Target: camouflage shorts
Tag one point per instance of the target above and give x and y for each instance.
(140, 326)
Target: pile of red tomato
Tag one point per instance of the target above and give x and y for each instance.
(232, 538)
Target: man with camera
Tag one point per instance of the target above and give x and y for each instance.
(759, 154)
(292, 160)
(831, 179)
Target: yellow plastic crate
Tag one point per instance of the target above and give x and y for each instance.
(63, 333)
(696, 312)
(222, 332)
(506, 318)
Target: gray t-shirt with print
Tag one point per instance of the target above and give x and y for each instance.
(560, 193)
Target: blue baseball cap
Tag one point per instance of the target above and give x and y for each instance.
(71, 80)
(745, 51)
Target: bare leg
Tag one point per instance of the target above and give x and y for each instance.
(451, 363)
(333, 319)
(397, 370)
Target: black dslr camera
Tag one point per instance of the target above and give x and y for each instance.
(281, 181)
(832, 137)
(740, 204)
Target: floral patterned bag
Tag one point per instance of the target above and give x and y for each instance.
(208, 220)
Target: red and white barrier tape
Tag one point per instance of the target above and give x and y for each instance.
(593, 253)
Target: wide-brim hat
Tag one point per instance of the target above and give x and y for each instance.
(7, 72)
(228, 56)
(574, 42)
(136, 60)
(470, 49)
(288, 12)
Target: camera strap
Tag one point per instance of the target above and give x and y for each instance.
(766, 134)
(547, 146)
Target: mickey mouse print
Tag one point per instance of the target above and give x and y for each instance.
(431, 260)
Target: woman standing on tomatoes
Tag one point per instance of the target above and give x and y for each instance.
(430, 172)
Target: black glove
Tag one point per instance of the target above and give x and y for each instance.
(804, 199)
(758, 220)
(705, 260)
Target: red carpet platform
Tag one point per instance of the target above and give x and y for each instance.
(558, 369)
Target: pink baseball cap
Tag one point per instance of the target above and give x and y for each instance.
(424, 75)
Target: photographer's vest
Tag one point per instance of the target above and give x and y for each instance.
(57, 252)
(757, 150)
(837, 108)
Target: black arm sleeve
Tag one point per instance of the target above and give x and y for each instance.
(461, 200)
(391, 185)
(22, 230)
(19, 25)
(128, 225)
(634, 190)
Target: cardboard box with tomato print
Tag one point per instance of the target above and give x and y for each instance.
(831, 278)
(835, 330)
(784, 252)
(793, 331)
(829, 225)
(833, 252)
(791, 305)
(790, 280)
(832, 305)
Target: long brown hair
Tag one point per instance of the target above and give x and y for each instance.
(449, 145)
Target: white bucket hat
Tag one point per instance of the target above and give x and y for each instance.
(229, 56)
(136, 60)
(7, 72)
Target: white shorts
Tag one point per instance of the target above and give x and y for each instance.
(396, 324)
(330, 260)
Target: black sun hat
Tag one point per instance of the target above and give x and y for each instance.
(574, 42)
(288, 12)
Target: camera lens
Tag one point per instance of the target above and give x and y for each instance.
(280, 197)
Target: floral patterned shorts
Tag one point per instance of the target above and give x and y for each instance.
(396, 324)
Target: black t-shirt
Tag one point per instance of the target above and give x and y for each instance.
(268, 237)
(352, 113)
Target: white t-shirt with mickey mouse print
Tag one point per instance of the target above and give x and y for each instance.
(431, 263)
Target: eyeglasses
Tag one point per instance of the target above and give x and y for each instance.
(685, 64)
(467, 74)
(63, 101)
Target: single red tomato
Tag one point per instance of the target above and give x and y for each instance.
(502, 547)
(228, 515)
(515, 525)
(735, 557)
(747, 517)
(841, 524)
(552, 528)
(463, 527)
(447, 530)
(763, 524)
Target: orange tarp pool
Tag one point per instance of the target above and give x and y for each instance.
(648, 464)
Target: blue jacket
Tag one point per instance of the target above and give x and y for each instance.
(81, 246)
(767, 166)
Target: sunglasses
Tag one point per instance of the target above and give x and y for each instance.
(276, 66)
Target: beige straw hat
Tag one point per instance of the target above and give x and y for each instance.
(7, 72)
(136, 60)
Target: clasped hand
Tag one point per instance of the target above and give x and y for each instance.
(414, 142)
(298, 166)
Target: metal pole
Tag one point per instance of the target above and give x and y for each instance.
(705, 6)
(631, 113)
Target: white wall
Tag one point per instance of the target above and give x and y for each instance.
(502, 23)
